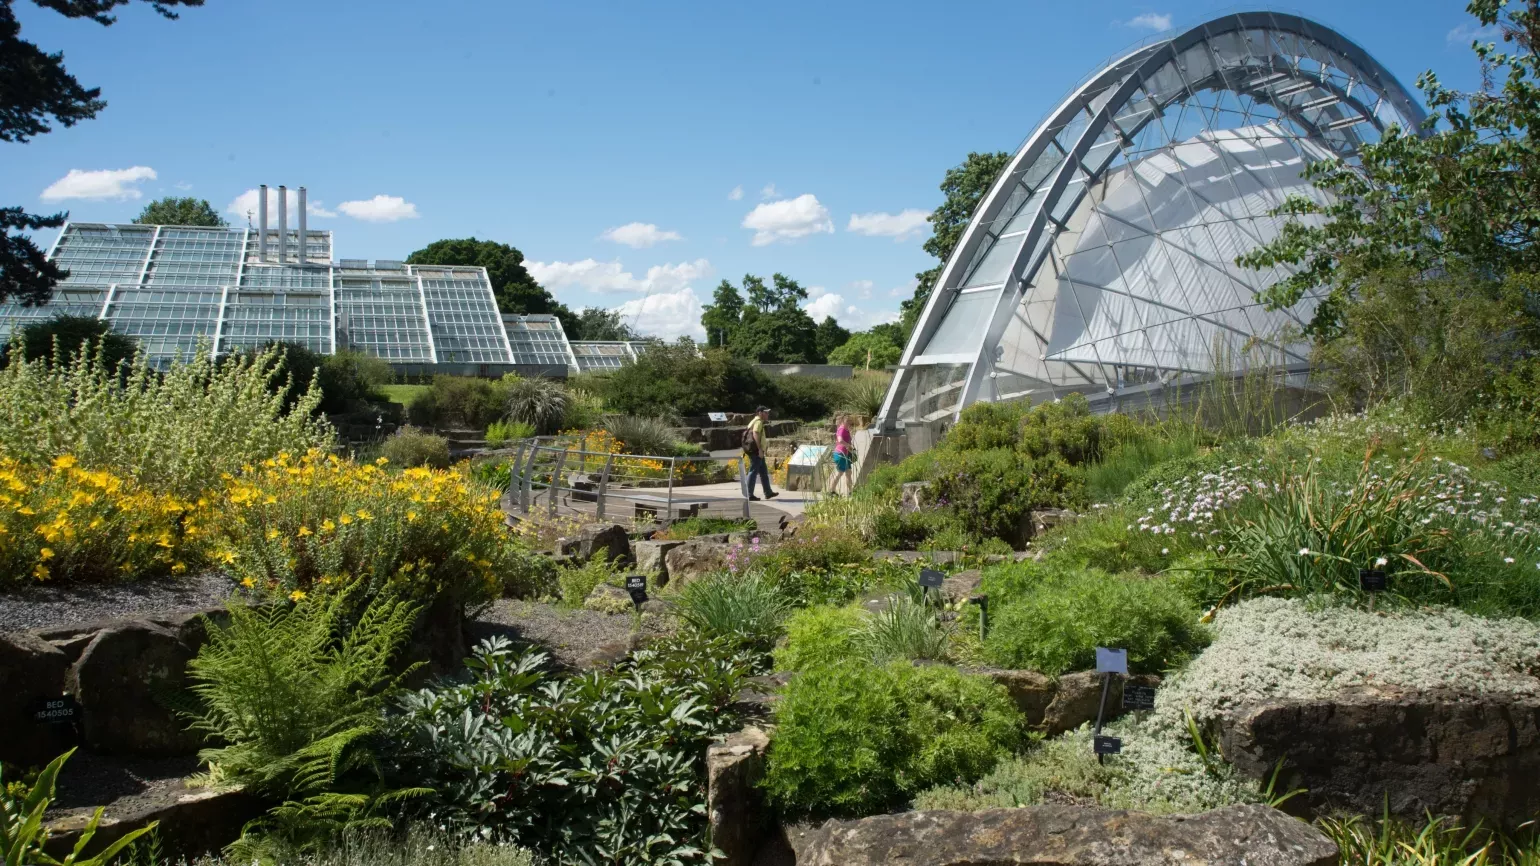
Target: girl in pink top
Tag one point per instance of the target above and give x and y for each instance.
(842, 455)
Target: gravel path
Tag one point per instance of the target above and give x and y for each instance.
(50, 606)
(571, 636)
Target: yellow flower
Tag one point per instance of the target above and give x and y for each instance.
(45, 554)
(272, 534)
(248, 583)
(411, 516)
(328, 526)
(228, 558)
(363, 514)
(64, 461)
(344, 520)
(40, 571)
(296, 595)
(304, 531)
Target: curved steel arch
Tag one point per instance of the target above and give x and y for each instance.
(1321, 86)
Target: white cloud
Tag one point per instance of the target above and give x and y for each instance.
(1468, 32)
(380, 209)
(639, 235)
(768, 192)
(849, 315)
(904, 291)
(864, 287)
(183, 185)
(597, 276)
(247, 202)
(908, 223)
(111, 183)
(1150, 21)
(737, 193)
(788, 219)
(667, 315)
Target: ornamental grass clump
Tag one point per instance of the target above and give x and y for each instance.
(63, 523)
(315, 523)
(174, 432)
(746, 610)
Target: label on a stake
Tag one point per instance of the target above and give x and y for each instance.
(56, 711)
(636, 585)
(1111, 661)
(1138, 698)
(1106, 745)
(980, 600)
(931, 578)
(1371, 580)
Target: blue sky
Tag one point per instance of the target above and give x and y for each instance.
(639, 151)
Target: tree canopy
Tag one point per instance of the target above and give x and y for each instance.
(516, 289)
(868, 349)
(173, 211)
(964, 186)
(36, 91)
(597, 323)
(829, 336)
(764, 323)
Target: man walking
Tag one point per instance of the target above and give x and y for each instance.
(754, 450)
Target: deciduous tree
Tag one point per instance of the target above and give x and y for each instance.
(173, 211)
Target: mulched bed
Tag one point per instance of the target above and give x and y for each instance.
(51, 606)
(570, 636)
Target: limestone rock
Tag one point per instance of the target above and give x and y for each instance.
(608, 653)
(1075, 701)
(914, 495)
(1067, 836)
(1031, 691)
(1044, 519)
(652, 558)
(611, 538)
(695, 559)
(962, 585)
(196, 823)
(735, 807)
(608, 599)
(31, 671)
(1476, 756)
(118, 681)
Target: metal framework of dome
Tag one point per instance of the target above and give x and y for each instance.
(1102, 261)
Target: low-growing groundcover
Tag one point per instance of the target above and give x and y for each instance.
(853, 738)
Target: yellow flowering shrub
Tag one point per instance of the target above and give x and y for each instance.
(311, 523)
(61, 522)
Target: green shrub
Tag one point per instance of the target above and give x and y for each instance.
(294, 695)
(459, 401)
(1055, 625)
(409, 447)
(64, 336)
(746, 610)
(991, 492)
(821, 635)
(825, 566)
(855, 738)
(670, 380)
(648, 436)
(1113, 541)
(985, 426)
(540, 403)
(176, 431)
(606, 766)
(585, 409)
(806, 397)
(500, 433)
(692, 527)
(1063, 428)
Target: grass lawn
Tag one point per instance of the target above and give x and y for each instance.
(402, 394)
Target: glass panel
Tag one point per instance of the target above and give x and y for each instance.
(962, 328)
(996, 263)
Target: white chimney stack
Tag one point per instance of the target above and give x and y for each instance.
(283, 224)
(301, 256)
(262, 223)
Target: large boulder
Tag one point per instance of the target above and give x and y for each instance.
(1031, 691)
(122, 681)
(694, 559)
(735, 806)
(962, 585)
(652, 558)
(1076, 699)
(195, 823)
(31, 671)
(610, 538)
(1476, 756)
(1066, 836)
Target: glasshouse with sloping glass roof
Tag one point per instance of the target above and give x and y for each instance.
(1103, 259)
(176, 288)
